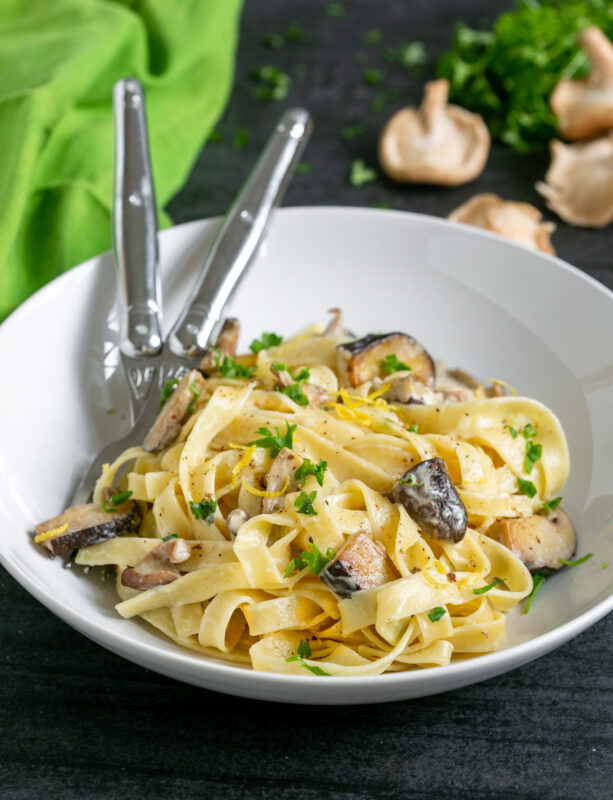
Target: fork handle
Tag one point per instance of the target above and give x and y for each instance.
(240, 235)
(135, 224)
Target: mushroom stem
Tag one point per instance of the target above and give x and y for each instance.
(600, 51)
(435, 99)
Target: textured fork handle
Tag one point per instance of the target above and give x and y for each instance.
(240, 235)
(135, 224)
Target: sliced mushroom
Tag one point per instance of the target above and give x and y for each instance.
(360, 564)
(335, 326)
(361, 360)
(316, 395)
(579, 183)
(88, 524)
(430, 498)
(175, 411)
(518, 221)
(540, 542)
(226, 344)
(158, 567)
(282, 468)
(585, 108)
(235, 520)
(437, 143)
(407, 389)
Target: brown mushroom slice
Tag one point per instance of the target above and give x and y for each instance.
(579, 183)
(175, 411)
(88, 524)
(226, 343)
(539, 541)
(281, 470)
(235, 520)
(405, 388)
(437, 143)
(361, 360)
(585, 108)
(518, 221)
(159, 566)
(431, 500)
(360, 564)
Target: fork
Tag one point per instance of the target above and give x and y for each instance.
(148, 361)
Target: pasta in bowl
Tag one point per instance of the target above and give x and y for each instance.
(329, 505)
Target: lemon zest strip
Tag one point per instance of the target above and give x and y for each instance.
(42, 537)
(242, 463)
(260, 493)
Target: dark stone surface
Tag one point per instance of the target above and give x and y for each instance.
(78, 722)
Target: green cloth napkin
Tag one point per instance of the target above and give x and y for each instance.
(59, 60)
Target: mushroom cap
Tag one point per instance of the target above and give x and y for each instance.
(585, 108)
(437, 143)
(518, 221)
(579, 182)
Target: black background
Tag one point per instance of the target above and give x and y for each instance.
(79, 722)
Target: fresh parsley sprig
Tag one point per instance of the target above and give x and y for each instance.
(267, 340)
(304, 651)
(304, 504)
(308, 468)
(312, 558)
(436, 613)
(391, 364)
(275, 442)
(169, 387)
(205, 510)
(533, 454)
(526, 487)
(230, 369)
(116, 500)
(549, 507)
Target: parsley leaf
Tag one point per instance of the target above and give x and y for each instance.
(410, 480)
(274, 84)
(372, 76)
(118, 499)
(335, 10)
(170, 536)
(512, 431)
(576, 562)
(526, 487)
(312, 558)
(205, 510)
(241, 140)
(352, 131)
(529, 431)
(408, 55)
(295, 393)
(360, 173)
(538, 579)
(267, 340)
(275, 443)
(304, 651)
(230, 369)
(169, 387)
(391, 364)
(196, 392)
(308, 468)
(533, 454)
(491, 585)
(304, 504)
(436, 613)
(550, 506)
(274, 40)
(372, 37)
(413, 429)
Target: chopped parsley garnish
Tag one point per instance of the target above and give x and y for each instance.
(312, 558)
(304, 504)
(169, 387)
(436, 613)
(576, 562)
(335, 10)
(214, 136)
(196, 392)
(413, 429)
(352, 132)
(491, 585)
(538, 579)
(295, 393)
(549, 507)
(529, 431)
(274, 40)
(512, 431)
(275, 442)
(526, 487)
(304, 651)
(241, 140)
(360, 173)
(533, 454)
(205, 510)
(410, 479)
(391, 364)
(372, 37)
(372, 76)
(296, 33)
(170, 536)
(303, 168)
(118, 499)
(308, 468)
(274, 83)
(230, 369)
(408, 55)
(267, 340)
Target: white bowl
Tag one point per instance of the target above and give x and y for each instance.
(473, 299)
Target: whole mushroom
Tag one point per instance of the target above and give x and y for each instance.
(437, 143)
(518, 221)
(579, 183)
(585, 108)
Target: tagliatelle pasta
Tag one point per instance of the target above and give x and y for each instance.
(250, 591)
